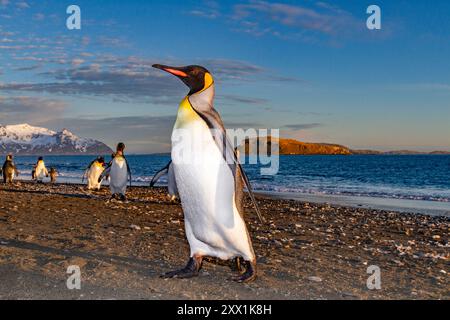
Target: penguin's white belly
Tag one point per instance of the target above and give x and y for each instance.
(41, 172)
(93, 175)
(118, 176)
(213, 224)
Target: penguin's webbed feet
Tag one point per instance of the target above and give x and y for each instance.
(191, 270)
(250, 273)
(237, 265)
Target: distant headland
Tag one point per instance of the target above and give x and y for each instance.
(295, 147)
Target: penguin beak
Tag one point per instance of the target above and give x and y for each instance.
(176, 71)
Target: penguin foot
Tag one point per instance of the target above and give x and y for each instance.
(191, 270)
(236, 265)
(249, 275)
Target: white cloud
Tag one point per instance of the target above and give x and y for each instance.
(22, 5)
(24, 108)
(76, 62)
(39, 16)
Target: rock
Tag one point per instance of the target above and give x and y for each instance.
(315, 279)
(398, 262)
(348, 295)
(77, 261)
(135, 227)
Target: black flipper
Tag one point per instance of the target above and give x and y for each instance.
(128, 170)
(159, 174)
(86, 170)
(105, 172)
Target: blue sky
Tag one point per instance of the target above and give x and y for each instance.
(310, 68)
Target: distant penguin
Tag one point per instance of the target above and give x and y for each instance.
(119, 173)
(211, 190)
(53, 174)
(93, 172)
(171, 182)
(9, 170)
(40, 171)
(33, 173)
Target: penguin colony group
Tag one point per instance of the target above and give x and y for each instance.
(211, 191)
(9, 171)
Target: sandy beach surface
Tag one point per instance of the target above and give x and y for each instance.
(305, 250)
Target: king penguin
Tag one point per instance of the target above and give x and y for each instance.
(119, 172)
(9, 170)
(211, 190)
(93, 172)
(41, 170)
(171, 182)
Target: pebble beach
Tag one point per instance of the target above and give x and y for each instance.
(304, 250)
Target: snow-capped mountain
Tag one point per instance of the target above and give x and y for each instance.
(23, 139)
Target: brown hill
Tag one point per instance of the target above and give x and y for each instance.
(294, 147)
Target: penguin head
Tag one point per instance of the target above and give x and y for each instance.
(120, 147)
(197, 78)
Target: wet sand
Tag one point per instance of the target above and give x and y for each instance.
(434, 208)
(305, 250)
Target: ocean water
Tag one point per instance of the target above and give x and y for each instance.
(414, 177)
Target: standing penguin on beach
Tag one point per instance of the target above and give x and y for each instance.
(119, 172)
(9, 170)
(171, 182)
(211, 190)
(53, 175)
(93, 172)
(40, 170)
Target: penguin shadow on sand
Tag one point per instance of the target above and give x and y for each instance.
(138, 265)
(40, 192)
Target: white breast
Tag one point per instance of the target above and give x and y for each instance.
(40, 170)
(93, 175)
(119, 172)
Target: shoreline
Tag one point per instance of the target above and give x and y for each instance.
(432, 208)
(304, 250)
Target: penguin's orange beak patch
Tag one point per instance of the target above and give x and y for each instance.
(175, 72)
